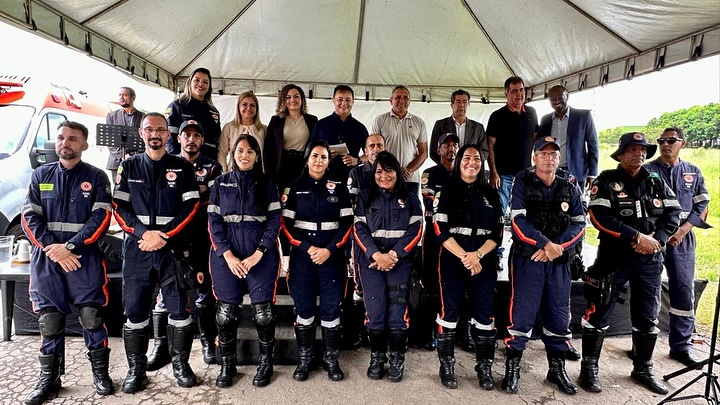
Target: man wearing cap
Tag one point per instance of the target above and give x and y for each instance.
(467, 130)
(547, 221)
(156, 196)
(575, 131)
(635, 213)
(687, 181)
(423, 319)
(191, 139)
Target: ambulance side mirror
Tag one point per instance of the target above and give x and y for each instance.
(47, 154)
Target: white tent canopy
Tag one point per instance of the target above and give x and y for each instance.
(432, 46)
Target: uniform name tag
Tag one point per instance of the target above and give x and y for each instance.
(46, 186)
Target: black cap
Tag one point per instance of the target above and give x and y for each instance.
(543, 142)
(448, 137)
(192, 123)
(634, 138)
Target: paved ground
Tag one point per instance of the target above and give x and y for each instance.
(19, 369)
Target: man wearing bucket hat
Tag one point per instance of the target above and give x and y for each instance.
(548, 220)
(688, 183)
(636, 213)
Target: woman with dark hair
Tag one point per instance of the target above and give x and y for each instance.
(244, 219)
(247, 121)
(468, 223)
(287, 136)
(195, 104)
(388, 226)
(316, 220)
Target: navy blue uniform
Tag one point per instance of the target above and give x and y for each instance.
(542, 214)
(317, 213)
(471, 215)
(154, 195)
(207, 115)
(383, 224)
(68, 206)
(620, 207)
(334, 131)
(236, 224)
(687, 181)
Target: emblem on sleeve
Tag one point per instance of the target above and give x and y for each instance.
(657, 203)
(594, 190)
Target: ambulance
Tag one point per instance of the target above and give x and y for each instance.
(30, 111)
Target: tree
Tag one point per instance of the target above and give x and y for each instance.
(700, 123)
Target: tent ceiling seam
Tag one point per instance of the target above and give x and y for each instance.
(602, 26)
(492, 43)
(358, 45)
(223, 31)
(103, 12)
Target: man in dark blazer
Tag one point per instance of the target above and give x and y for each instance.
(469, 131)
(575, 131)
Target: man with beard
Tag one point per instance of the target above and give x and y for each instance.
(687, 181)
(341, 127)
(67, 213)
(635, 213)
(467, 130)
(191, 138)
(128, 116)
(156, 195)
(422, 320)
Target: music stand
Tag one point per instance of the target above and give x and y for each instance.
(711, 382)
(119, 136)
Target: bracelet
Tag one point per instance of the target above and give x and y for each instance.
(262, 249)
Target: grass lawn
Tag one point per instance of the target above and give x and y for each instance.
(708, 240)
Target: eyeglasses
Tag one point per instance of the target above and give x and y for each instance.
(671, 141)
(548, 155)
(159, 131)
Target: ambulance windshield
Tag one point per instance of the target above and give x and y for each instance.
(14, 123)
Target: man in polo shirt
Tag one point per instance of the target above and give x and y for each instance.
(405, 136)
(341, 127)
(511, 132)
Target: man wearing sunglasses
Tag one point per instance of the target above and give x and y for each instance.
(686, 180)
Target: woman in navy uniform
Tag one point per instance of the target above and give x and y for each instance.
(468, 222)
(316, 220)
(244, 218)
(388, 226)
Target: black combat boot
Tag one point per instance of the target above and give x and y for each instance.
(556, 372)
(136, 344)
(180, 339)
(266, 336)
(99, 362)
(572, 353)
(398, 347)
(511, 381)
(331, 338)
(378, 358)
(49, 380)
(208, 332)
(643, 364)
(160, 354)
(592, 342)
(227, 321)
(305, 335)
(446, 354)
(484, 357)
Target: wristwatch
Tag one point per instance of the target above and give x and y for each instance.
(480, 255)
(70, 246)
(262, 249)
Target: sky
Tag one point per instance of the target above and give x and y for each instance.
(630, 102)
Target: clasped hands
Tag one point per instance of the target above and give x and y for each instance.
(59, 253)
(240, 268)
(471, 261)
(646, 244)
(384, 261)
(550, 252)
